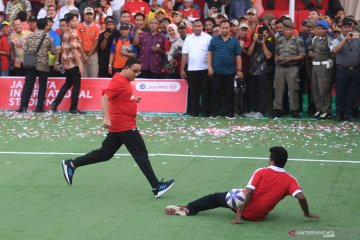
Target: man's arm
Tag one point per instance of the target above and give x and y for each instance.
(341, 44)
(105, 108)
(184, 60)
(209, 58)
(305, 207)
(248, 195)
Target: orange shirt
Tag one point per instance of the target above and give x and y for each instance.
(88, 35)
(116, 47)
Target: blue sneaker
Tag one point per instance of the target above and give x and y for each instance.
(68, 171)
(163, 187)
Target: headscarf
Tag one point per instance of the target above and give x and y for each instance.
(173, 26)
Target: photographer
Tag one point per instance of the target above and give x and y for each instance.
(347, 50)
(260, 52)
(104, 44)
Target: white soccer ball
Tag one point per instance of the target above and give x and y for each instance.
(235, 198)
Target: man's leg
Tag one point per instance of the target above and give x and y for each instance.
(27, 89)
(202, 204)
(67, 85)
(42, 90)
(136, 146)
(110, 145)
(76, 79)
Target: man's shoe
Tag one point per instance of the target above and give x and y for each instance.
(176, 210)
(231, 116)
(213, 116)
(316, 115)
(163, 187)
(68, 170)
(276, 113)
(77, 111)
(324, 116)
(349, 118)
(339, 118)
(250, 114)
(295, 114)
(53, 109)
(21, 110)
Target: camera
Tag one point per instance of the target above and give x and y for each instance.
(260, 37)
(239, 84)
(108, 30)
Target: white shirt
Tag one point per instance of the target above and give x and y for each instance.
(197, 49)
(117, 4)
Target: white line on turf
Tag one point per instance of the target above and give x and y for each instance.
(191, 156)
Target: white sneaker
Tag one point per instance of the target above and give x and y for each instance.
(258, 115)
(176, 210)
(250, 114)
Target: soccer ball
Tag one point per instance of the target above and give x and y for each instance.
(235, 198)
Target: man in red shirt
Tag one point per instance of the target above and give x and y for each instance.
(264, 191)
(119, 108)
(135, 6)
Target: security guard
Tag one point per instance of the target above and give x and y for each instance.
(321, 78)
(289, 51)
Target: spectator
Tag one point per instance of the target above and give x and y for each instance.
(289, 52)
(125, 17)
(260, 52)
(18, 38)
(252, 21)
(32, 24)
(102, 11)
(135, 6)
(279, 28)
(71, 61)
(151, 45)
(168, 6)
(105, 40)
(86, 4)
(194, 56)
(216, 30)
(89, 32)
(51, 13)
(2, 6)
(209, 23)
(321, 78)
(174, 55)
(116, 6)
(213, 6)
(238, 8)
(160, 14)
(4, 49)
(13, 7)
(173, 60)
(188, 11)
(153, 8)
(121, 50)
(234, 26)
(53, 59)
(139, 23)
(347, 50)
(224, 62)
(69, 6)
(176, 17)
(37, 40)
(314, 15)
(44, 11)
(164, 23)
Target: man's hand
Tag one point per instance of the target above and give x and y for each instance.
(183, 74)
(240, 74)
(235, 221)
(107, 35)
(82, 70)
(210, 71)
(106, 123)
(137, 99)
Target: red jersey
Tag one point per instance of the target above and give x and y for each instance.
(122, 104)
(135, 7)
(4, 46)
(190, 12)
(270, 185)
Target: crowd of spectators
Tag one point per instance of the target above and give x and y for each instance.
(235, 62)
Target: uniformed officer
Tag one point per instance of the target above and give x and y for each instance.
(321, 78)
(347, 50)
(289, 51)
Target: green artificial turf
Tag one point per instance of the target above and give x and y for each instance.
(113, 200)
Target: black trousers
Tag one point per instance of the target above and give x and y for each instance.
(113, 141)
(30, 79)
(222, 94)
(19, 71)
(259, 92)
(208, 202)
(199, 92)
(72, 79)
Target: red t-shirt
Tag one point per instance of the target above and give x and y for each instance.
(135, 7)
(270, 185)
(122, 105)
(4, 46)
(190, 12)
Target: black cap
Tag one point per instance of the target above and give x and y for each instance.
(124, 26)
(349, 21)
(32, 18)
(166, 20)
(110, 19)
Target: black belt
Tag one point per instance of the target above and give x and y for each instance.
(347, 68)
(290, 65)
